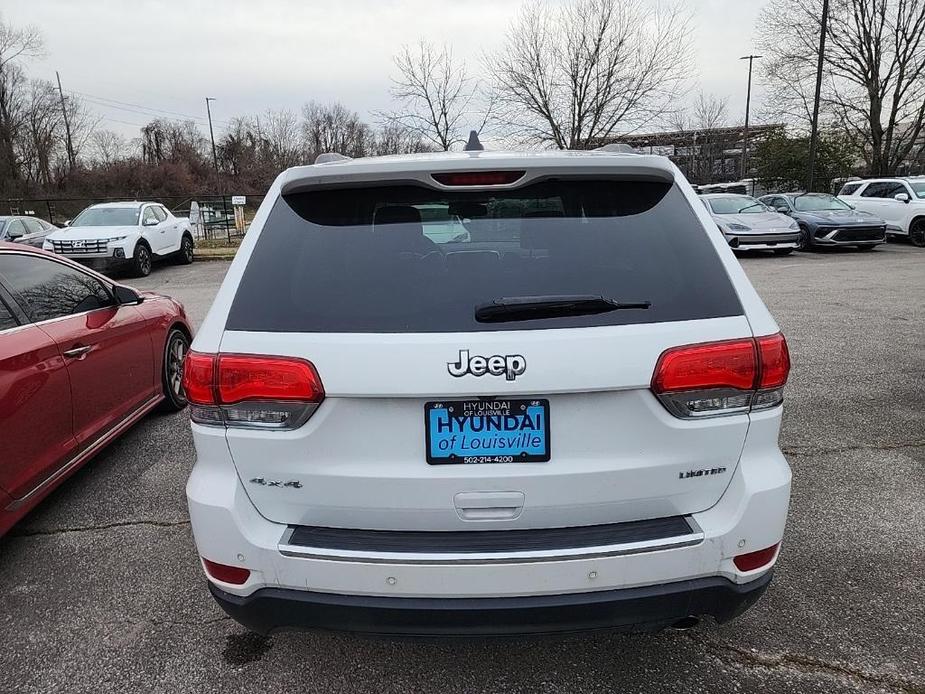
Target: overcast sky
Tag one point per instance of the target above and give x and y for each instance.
(166, 55)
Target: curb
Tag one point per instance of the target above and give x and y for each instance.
(209, 258)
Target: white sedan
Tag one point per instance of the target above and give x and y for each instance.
(124, 234)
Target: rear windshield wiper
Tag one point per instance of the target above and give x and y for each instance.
(517, 308)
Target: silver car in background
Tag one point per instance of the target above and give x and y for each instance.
(750, 225)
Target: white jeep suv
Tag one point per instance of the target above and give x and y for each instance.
(900, 202)
(128, 235)
(565, 417)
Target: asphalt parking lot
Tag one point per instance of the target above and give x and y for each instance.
(100, 589)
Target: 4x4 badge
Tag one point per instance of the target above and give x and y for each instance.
(295, 484)
(511, 365)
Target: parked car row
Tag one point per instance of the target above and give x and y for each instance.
(864, 215)
(110, 236)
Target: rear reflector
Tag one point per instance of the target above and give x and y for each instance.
(478, 178)
(721, 378)
(251, 390)
(755, 560)
(234, 575)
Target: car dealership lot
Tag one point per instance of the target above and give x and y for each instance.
(101, 590)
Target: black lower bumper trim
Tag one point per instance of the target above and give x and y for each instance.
(630, 609)
(490, 540)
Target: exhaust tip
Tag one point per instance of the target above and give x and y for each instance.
(686, 623)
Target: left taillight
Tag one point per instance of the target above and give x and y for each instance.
(251, 391)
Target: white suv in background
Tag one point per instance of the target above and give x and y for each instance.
(900, 202)
(124, 234)
(565, 417)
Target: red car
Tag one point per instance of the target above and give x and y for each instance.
(81, 360)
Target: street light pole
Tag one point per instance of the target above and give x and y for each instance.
(211, 134)
(814, 136)
(748, 104)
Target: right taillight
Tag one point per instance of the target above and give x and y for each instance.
(774, 358)
(252, 391)
(722, 378)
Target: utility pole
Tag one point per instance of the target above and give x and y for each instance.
(67, 125)
(212, 134)
(748, 105)
(814, 136)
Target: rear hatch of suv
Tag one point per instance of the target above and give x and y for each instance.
(481, 347)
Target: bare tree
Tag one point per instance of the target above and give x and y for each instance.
(392, 138)
(83, 123)
(174, 141)
(334, 128)
(438, 99)
(281, 139)
(790, 45)
(701, 125)
(19, 42)
(43, 132)
(108, 147)
(708, 112)
(570, 75)
(874, 71)
(16, 45)
(239, 148)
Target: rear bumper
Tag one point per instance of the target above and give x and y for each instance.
(294, 584)
(629, 609)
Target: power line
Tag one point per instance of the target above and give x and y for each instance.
(123, 122)
(137, 106)
(100, 104)
(147, 110)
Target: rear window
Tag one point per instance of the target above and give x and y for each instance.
(412, 259)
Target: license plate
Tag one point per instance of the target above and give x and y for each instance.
(487, 431)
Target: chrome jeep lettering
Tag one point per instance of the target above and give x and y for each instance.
(510, 365)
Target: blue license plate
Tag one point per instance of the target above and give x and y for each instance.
(487, 431)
